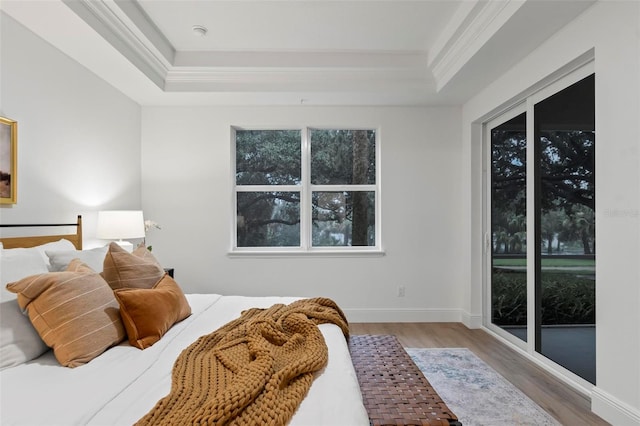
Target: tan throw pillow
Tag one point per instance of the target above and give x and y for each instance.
(74, 312)
(149, 313)
(142, 252)
(139, 269)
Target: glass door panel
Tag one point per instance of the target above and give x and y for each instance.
(565, 228)
(509, 226)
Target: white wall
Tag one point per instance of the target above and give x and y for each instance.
(79, 152)
(78, 137)
(186, 188)
(611, 28)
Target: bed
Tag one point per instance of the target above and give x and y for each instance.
(123, 383)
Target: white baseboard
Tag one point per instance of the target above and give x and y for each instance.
(471, 321)
(613, 410)
(603, 404)
(403, 315)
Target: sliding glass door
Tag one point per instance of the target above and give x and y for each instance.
(508, 232)
(565, 222)
(541, 190)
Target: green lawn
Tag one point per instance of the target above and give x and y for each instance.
(586, 263)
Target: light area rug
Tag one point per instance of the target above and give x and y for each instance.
(476, 393)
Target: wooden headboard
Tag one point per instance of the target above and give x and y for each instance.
(15, 242)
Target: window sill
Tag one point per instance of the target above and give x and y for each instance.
(300, 253)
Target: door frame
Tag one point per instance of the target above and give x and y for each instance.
(526, 104)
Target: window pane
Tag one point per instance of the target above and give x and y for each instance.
(268, 219)
(343, 219)
(268, 157)
(343, 157)
(509, 226)
(566, 252)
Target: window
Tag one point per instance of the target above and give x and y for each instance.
(306, 190)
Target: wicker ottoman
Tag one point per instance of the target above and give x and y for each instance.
(394, 390)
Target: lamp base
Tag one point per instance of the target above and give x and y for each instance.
(125, 245)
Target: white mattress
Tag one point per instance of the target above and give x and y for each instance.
(124, 383)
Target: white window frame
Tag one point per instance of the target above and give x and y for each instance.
(306, 189)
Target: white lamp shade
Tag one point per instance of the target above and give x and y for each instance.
(120, 224)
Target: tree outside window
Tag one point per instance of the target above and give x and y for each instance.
(306, 189)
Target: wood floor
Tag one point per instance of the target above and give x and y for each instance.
(561, 401)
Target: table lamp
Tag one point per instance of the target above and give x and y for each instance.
(120, 225)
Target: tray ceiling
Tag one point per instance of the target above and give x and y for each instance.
(283, 52)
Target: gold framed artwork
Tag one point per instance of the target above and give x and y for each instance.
(8, 160)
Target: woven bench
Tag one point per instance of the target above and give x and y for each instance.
(394, 390)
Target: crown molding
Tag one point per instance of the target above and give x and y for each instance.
(302, 59)
(288, 79)
(138, 20)
(117, 27)
(473, 25)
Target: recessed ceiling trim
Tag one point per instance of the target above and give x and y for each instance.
(476, 24)
(122, 33)
(464, 14)
(208, 80)
(136, 15)
(283, 59)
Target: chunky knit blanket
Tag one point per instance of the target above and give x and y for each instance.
(254, 370)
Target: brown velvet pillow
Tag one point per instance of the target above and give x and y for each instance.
(148, 314)
(73, 311)
(139, 269)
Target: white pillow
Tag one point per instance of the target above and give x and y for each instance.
(59, 245)
(94, 258)
(19, 341)
(19, 263)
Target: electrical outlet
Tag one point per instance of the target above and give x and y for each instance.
(401, 291)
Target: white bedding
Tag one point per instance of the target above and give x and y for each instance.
(123, 384)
